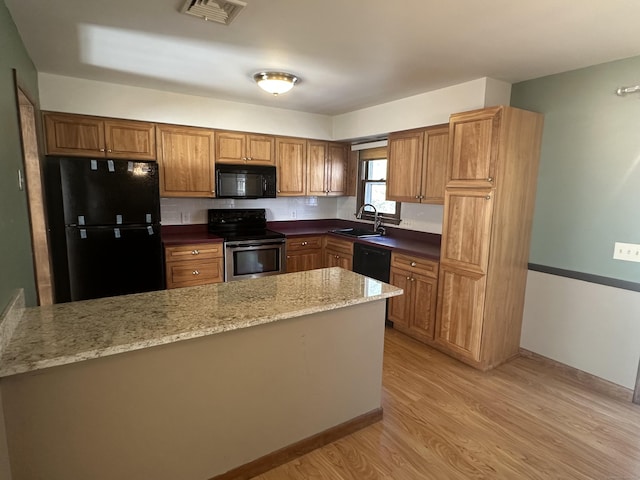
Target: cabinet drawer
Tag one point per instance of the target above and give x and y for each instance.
(415, 264)
(338, 245)
(304, 243)
(194, 272)
(194, 251)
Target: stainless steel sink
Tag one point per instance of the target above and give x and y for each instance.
(356, 232)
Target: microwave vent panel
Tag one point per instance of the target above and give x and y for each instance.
(221, 11)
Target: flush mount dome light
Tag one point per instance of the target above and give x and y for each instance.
(275, 83)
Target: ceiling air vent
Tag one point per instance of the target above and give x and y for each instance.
(221, 11)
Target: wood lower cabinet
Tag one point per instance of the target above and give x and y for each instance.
(291, 162)
(304, 253)
(194, 264)
(327, 168)
(337, 253)
(417, 165)
(87, 136)
(414, 313)
(488, 211)
(249, 148)
(185, 159)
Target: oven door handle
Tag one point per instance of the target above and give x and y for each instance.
(246, 245)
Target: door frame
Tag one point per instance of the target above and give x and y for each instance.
(30, 140)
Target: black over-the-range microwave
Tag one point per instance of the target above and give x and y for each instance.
(245, 181)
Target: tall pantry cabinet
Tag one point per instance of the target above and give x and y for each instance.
(488, 210)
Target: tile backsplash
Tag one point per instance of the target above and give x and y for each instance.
(179, 211)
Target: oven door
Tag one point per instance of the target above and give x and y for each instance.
(253, 259)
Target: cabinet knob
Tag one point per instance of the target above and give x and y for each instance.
(304, 243)
(488, 197)
(195, 252)
(421, 197)
(408, 278)
(417, 197)
(278, 190)
(413, 264)
(490, 179)
(196, 272)
(288, 256)
(109, 150)
(337, 256)
(102, 149)
(413, 279)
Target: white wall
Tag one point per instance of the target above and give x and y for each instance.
(422, 110)
(591, 327)
(75, 95)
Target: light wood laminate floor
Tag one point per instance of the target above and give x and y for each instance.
(444, 420)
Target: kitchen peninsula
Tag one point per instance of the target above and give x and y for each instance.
(195, 382)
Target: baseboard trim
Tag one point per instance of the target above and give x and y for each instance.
(590, 381)
(295, 450)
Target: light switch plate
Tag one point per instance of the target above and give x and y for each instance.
(627, 251)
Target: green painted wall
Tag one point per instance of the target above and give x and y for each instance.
(16, 263)
(589, 181)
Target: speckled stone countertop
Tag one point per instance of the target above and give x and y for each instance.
(72, 332)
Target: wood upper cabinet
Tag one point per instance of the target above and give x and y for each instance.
(326, 168)
(304, 253)
(417, 165)
(238, 147)
(414, 313)
(86, 136)
(488, 211)
(185, 158)
(474, 148)
(291, 162)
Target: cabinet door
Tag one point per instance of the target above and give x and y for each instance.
(434, 170)
(230, 147)
(304, 260)
(185, 157)
(194, 272)
(132, 140)
(334, 258)
(291, 161)
(404, 166)
(466, 229)
(74, 135)
(261, 149)
(399, 310)
(337, 169)
(461, 297)
(474, 148)
(425, 296)
(317, 168)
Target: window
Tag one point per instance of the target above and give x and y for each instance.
(373, 186)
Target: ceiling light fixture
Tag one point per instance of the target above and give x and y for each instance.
(275, 83)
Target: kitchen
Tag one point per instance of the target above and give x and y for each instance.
(90, 97)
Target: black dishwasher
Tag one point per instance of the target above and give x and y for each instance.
(372, 261)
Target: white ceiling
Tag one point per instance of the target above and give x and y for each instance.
(350, 54)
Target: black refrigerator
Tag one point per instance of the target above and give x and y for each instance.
(104, 226)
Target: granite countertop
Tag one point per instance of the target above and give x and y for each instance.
(72, 332)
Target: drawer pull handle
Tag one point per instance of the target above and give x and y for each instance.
(195, 252)
(195, 272)
(413, 264)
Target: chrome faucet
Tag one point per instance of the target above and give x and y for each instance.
(377, 222)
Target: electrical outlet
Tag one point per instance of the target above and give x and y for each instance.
(293, 214)
(627, 251)
(185, 217)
